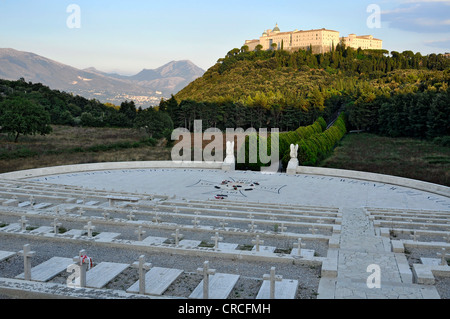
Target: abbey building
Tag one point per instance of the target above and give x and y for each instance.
(320, 40)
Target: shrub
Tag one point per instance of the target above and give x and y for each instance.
(318, 146)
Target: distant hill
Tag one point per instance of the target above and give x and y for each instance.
(145, 88)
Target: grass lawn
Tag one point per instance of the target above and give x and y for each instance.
(403, 157)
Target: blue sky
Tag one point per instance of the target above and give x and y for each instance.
(127, 36)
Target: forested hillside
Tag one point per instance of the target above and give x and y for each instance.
(398, 94)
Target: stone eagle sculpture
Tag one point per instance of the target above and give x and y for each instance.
(294, 151)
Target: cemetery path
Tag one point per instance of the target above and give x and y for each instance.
(366, 266)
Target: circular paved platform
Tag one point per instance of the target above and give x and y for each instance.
(205, 184)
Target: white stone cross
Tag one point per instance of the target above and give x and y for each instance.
(27, 255)
(131, 215)
(105, 215)
(257, 242)
(250, 216)
(206, 272)
(83, 264)
(273, 279)
(299, 246)
(223, 224)
(80, 211)
(216, 239)
(157, 218)
(177, 236)
(56, 225)
(443, 255)
(282, 228)
(252, 226)
(23, 223)
(142, 266)
(140, 233)
(196, 222)
(31, 201)
(89, 229)
(415, 235)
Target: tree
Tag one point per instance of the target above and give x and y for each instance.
(129, 109)
(259, 47)
(21, 116)
(157, 124)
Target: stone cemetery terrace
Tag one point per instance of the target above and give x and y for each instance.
(135, 231)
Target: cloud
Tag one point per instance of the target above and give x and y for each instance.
(442, 44)
(423, 16)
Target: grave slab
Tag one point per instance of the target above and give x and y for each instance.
(23, 204)
(285, 289)
(5, 255)
(42, 205)
(228, 246)
(265, 249)
(11, 227)
(305, 253)
(157, 280)
(92, 203)
(100, 275)
(154, 240)
(220, 286)
(74, 232)
(42, 230)
(49, 269)
(186, 243)
(106, 237)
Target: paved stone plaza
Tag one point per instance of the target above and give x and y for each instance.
(358, 239)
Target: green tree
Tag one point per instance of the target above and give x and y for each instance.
(157, 124)
(20, 116)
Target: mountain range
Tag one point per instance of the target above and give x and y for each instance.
(145, 88)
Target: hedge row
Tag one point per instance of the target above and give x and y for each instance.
(285, 141)
(315, 148)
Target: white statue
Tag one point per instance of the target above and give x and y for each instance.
(293, 163)
(294, 151)
(229, 163)
(230, 149)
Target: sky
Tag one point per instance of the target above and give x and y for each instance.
(128, 36)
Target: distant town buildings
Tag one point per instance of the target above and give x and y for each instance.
(319, 40)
